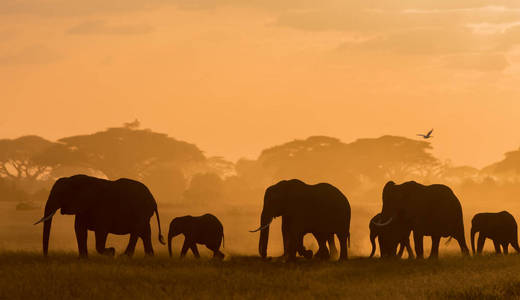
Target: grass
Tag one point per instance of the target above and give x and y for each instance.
(27, 275)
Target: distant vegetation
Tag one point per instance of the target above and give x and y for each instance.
(179, 173)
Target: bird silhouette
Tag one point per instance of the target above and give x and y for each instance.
(428, 135)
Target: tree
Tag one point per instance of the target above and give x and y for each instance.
(508, 168)
(362, 164)
(394, 158)
(166, 182)
(130, 152)
(204, 188)
(21, 158)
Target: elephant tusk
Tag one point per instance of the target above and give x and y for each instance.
(383, 224)
(262, 227)
(46, 218)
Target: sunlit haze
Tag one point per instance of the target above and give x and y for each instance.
(235, 77)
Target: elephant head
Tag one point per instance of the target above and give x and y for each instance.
(475, 227)
(389, 236)
(394, 203)
(277, 199)
(373, 233)
(177, 226)
(388, 242)
(65, 195)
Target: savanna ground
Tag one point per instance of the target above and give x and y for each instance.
(27, 275)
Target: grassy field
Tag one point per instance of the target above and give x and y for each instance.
(27, 275)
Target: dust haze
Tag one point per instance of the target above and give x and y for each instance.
(186, 181)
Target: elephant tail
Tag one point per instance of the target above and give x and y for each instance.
(448, 241)
(223, 241)
(348, 240)
(515, 245)
(161, 238)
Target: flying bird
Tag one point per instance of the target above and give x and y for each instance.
(428, 135)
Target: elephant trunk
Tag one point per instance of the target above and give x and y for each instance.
(46, 234)
(264, 235)
(50, 209)
(373, 242)
(473, 232)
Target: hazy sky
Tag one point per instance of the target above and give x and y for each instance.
(237, 76)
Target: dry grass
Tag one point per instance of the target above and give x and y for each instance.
(27, 275)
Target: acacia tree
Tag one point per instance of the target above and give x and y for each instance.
(394, 158)
(131, 152)
(362, 164)
(507, 169)
(21, 158)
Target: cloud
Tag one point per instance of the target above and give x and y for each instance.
(359, 19)
(36, 54)
(100, 27)
(436, 41)
(76, 7)
(478, 62)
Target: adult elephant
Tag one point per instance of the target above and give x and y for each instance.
(389, 237)
(431, 210)
(120, 207)
(500, 227)
(319, 209)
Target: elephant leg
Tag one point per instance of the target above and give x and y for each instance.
(401, 250)
(285, 235)
(409, 248)
(301, 248)
(480, 243)
(146, 236)
(195, 251)
(215, 246)
(505, 247)
(131, 244)
(434, 253)
(322, 253)
(101, 239)
(418, 241)
(497, 247)
(217, 253)
(343, 254)
(462, 243)
(185, 247)
(81, 236)
(332, 246)
(292, 246)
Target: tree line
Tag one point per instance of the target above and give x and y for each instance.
(179, 173)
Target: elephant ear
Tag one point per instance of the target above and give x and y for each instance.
(389, 187)
(82, 193)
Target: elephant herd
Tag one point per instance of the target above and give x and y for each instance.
(126, 206)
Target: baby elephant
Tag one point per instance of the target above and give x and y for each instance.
(500, 227)
(206, 230)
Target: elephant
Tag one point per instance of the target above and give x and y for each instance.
(500, 227)
(206, 230)
(320, 209)
(389, 236)
(322, 253)
(123, 206)
(431, 210)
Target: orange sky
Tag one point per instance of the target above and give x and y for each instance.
(237, 76)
